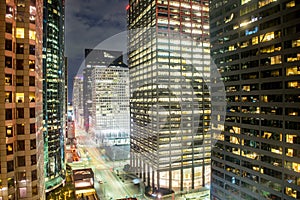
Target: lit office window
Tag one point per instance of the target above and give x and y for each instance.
(19, 32)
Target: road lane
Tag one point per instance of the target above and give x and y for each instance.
(112, 186)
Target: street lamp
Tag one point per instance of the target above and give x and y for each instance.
(159, 196)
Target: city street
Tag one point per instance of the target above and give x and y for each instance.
(107, 182)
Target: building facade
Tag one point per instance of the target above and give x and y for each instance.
(255, 44)
(110, 106)
(77, 101)
(21, 136)
(169, 104)
(54, 93)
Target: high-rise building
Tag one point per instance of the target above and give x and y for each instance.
(110, 105)
(77, 101)
(21, 130)
(256, 46)
(170, 102)
(106, 101)
(54, 93)
(94, 58)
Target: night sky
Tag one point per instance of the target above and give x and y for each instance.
(88, 23)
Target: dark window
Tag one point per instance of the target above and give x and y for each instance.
(10, 168)
(33, 2)
(20, 48)
(19, 81)
(33, 159)
(9, 149)
(31, 49)
(34, 190)
(8, 28)
(8, 62)
(20, 64)
(34, 175)
(21, 176)
(20, 129)
(8, 114)
(31, 81)
(9, 11)
(8, 45)
(21, 161)
(33, 144)
(20, 112)
(32, 128)
(21, 145)
(32, 112)
(271, 86)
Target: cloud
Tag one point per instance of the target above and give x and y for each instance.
(87, 23)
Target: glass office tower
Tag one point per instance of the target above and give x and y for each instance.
(21, 138)
(256, 46)
(170, 102)
(53, 93)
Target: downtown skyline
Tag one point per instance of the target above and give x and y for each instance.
(187, 64)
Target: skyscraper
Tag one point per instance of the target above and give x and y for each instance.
(110, 104)
(170, 102)
(77, 100)
(53, 93)
(21, 149)
(255, 45)
(95, 58)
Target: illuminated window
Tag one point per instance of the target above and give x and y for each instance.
(293, 84)
(8, 97)
(290, 4)
(9, 149)
(276, 60)
(31, 65)
(245, 44)
(255, 40)
(19, 97)
(291, 71)
(293, 57)
(263, 3)
(292, 138)
(31, 35)
(291, 192)
(296, 43)
(19, 32)
(9, 131)
(267, 37)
